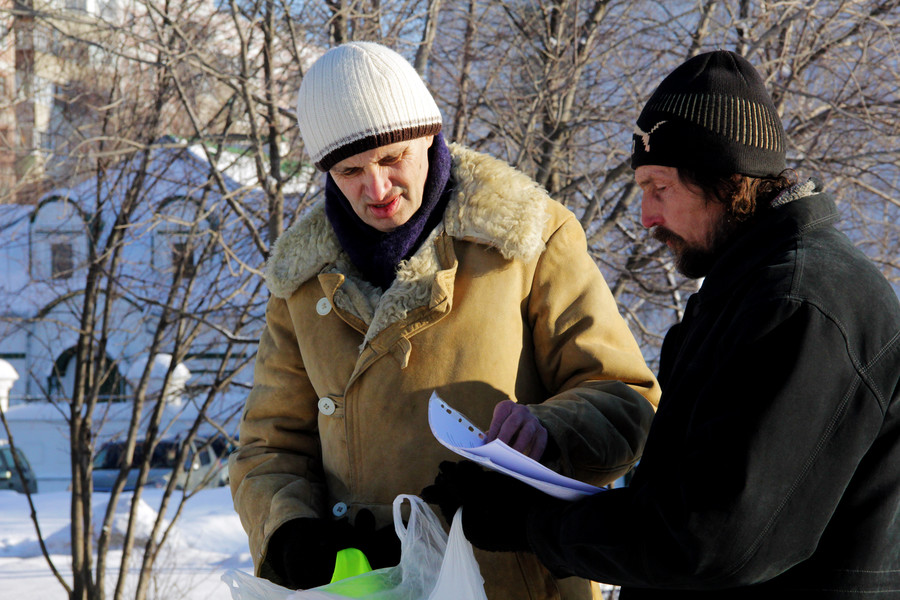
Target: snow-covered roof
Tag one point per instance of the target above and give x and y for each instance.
(45, 250)
(178, 197)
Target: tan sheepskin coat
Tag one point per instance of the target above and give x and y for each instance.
(502, 301)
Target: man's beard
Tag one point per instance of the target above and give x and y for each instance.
(694, 261)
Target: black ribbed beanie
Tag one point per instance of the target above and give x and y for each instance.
(712, 114)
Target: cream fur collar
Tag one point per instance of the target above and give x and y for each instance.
(494, 205)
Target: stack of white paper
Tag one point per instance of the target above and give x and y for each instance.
(454, 431)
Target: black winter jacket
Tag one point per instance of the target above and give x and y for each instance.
(773, 462)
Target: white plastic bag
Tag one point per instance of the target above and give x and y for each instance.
(460, 577)
(431, 567)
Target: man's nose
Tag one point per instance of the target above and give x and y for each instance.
(377, 184)
(650, 216)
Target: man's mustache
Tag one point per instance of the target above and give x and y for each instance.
(661, 234)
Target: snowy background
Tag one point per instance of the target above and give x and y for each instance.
(208, 540)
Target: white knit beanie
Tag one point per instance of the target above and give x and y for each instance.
(359, 96)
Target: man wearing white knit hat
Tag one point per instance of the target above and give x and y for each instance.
(427, 267)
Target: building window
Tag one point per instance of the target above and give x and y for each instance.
(58, 242)
(61, 382)
(61, 261)
(180, 237)
(183, 257)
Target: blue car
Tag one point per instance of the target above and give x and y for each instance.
(204, 466)
(9, 475)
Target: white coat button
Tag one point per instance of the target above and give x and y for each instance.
(339, 509)
(326, 406)
(323, 306)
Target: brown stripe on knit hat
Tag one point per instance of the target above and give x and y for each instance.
(351, 147)
(720, 113)
(711, 114)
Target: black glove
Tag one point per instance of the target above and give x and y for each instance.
(496, 508)
(381, 546)
(302, 551)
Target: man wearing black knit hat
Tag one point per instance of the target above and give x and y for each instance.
(772, 463)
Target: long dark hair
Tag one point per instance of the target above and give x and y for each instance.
(744, 197)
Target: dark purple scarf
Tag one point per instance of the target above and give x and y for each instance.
(375, 253)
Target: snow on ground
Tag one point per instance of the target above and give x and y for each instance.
(208, 540)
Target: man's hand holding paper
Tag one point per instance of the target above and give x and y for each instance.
(456, 432)
(515, 425)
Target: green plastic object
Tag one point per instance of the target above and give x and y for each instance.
(354, 577)
(350, 562)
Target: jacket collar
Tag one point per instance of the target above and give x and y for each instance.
(799, 210)
(493, 204)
